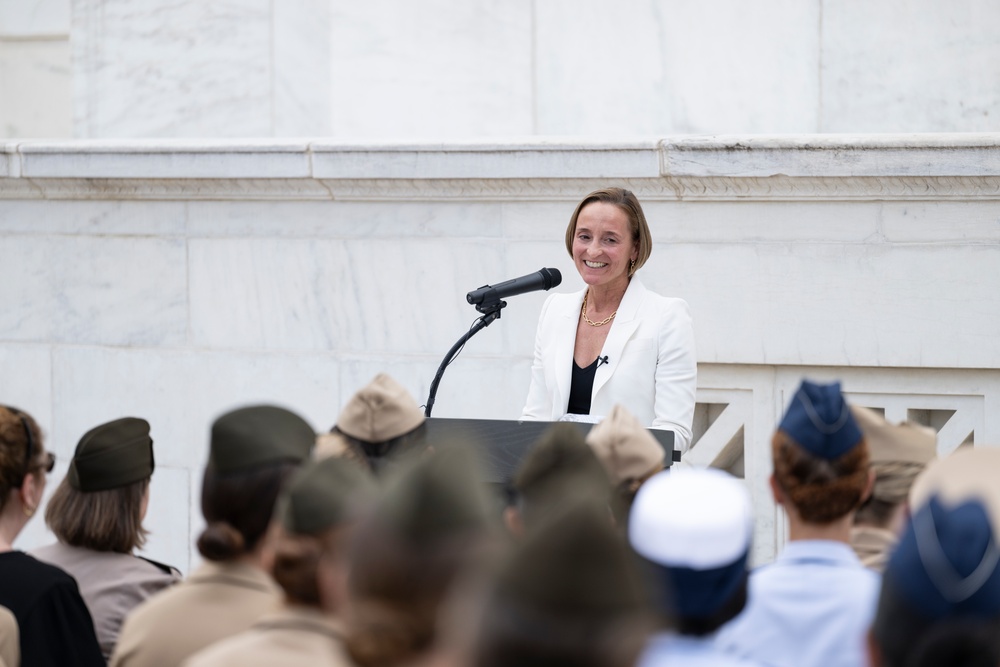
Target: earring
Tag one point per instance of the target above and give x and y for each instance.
(29, 511)
(631, 267)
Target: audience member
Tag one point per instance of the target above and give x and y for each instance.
(559, 470)
(630, 455)
(252, 452)
(55, 627)
(431, 527)
(940, 599)
(10, 643)
(96, 514)
(314, 521)
(813, 605)
(379, 423)
(898, 453)
(693, 527)
(568, 596)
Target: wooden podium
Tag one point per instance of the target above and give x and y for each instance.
(505, 443)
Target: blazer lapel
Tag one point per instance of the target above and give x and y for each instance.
(622, 328)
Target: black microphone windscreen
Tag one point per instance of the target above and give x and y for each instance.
(552, 278)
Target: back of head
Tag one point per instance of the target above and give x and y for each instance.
(693, 527)
(19, 435)
(820, 456)
(940, 599)
(314, 515)
(430, 526)
(629, 454)
(381, 420)
(99, 504)
(568, 595)
(559, 471)
(251, 453)
(898, 453)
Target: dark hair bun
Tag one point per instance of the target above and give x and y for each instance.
(221, 542)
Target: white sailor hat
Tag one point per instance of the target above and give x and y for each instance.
(695, 527)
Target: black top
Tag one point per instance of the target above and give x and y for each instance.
(56, 628)
(581, 387)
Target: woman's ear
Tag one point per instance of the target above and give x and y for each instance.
(776, 492)
(31, 493)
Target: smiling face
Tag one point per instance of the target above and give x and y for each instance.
(603, 245)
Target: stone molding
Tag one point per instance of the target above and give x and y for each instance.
(808, 167)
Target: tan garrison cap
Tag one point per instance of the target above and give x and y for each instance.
(907, 442)
(381, 411)
(970, 472)
(624, 447)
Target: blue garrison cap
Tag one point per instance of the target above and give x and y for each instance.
(819, 419)
(948, 561)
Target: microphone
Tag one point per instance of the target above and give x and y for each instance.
(602, 360)
(539, 280)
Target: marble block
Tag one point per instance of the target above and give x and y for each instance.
(29, 18)
(163, 68)
(941, 222)
(910, 66)
(181, 392)
(168, 518)
(344, 219)
(432, 69)
(111, 290)
(472, 387)
(37, 97)
(27, 384)
(350, 296)
(855, 305)
(98, 218)
(668, 67)
(301, 62)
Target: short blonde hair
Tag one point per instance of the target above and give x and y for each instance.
(627, 202)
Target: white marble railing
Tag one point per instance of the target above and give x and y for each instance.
(174, 280)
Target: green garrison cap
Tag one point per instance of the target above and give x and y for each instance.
(561, 461)
(257, 435)
(576, 565)
(440, 496)
(325, 494)
(112, 455)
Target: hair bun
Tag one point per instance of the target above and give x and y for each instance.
(220, 542)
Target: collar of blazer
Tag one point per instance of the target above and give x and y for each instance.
(622, 328)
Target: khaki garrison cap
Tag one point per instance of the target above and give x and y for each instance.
(112, 455)
(380, 411)
(258, 435)
(969, 473)
(625, 449)
(907, 442)
(559, 454)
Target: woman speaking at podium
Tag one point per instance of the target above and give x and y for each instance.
(614, 341)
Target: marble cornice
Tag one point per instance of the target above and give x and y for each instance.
(817, 167)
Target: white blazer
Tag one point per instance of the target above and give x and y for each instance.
(651, 367)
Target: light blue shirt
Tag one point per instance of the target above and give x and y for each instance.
(811, 607)
(669, 649)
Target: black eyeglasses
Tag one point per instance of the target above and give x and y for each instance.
(50, 458)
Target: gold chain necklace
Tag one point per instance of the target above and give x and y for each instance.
(590, 321)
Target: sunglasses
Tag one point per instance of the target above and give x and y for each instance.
(50, 459)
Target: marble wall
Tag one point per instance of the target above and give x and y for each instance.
(175, 280)
(453, 69)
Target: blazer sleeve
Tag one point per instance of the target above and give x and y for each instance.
(60, 632)
(676, 374)
(538, 406)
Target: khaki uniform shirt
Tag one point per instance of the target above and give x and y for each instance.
(111, 584)
(293, 636)
(10, 639)
(217, 601)
(873, 546)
